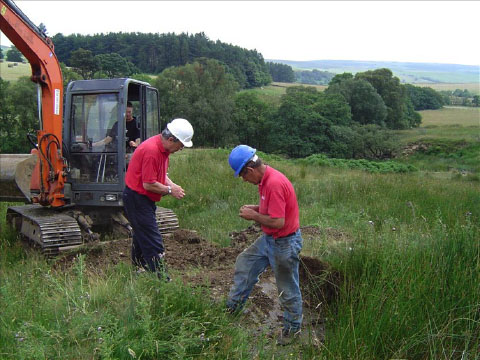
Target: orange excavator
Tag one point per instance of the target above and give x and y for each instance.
(73, 187)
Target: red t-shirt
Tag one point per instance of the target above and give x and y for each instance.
(278, 200)
(149, 164)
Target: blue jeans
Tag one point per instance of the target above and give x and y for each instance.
(282, 255)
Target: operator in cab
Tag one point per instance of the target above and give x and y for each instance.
(132, 135)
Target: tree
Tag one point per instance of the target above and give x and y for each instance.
(314, 77)
(68, 75)
(334, 108)
(152, 53)
(83, 62)
(366, 105)
(19, 115)
(394, 96)
(476, 100)
(252, 120)
(281, 72)
(299, 129)
(14, 55)
(340, 77)
(1, 53)
(424, 98)
(114, 65)
(203, 93)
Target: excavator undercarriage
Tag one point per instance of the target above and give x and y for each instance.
(54, 230)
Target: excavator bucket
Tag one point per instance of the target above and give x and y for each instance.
(15, 173)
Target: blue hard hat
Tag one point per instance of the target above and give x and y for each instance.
(240, 156)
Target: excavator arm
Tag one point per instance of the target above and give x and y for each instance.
(49, 175)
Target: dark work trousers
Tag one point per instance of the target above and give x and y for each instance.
(147, 243)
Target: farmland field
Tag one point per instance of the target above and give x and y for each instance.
(472, 87)
(13, 73)
(449, 122)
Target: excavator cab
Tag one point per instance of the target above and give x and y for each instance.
(93, 110)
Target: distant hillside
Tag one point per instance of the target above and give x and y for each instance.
(407, 72)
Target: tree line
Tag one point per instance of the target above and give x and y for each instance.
(153, 53)
(207, 82)
(350, 119)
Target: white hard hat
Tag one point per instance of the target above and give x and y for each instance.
(182, 130)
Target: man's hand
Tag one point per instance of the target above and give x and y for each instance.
(177, 191)
(248, 212)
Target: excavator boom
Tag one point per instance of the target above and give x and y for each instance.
(46, 72)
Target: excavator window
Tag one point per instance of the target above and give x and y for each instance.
(152, 120)
(93, 160)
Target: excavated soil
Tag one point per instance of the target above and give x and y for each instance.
(203, 264)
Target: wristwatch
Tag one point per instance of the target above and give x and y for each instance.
(169, 190)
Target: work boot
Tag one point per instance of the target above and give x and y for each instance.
(288, 336)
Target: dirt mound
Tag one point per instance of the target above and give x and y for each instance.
(320, 283)
(186, 251)
(186, 248)
(201, 263)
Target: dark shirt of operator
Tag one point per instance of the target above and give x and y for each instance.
(133, 133)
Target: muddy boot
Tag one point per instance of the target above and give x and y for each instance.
(288, 337)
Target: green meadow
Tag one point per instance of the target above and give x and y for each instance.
(473, 87)
(14, 72)
(452, 139)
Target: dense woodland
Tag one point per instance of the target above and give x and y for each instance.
(153, 53)
(350, 119)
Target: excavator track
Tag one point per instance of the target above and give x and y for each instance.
(54, 232)
(51, 231)
(167, 221)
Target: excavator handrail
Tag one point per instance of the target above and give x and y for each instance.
(46, 72)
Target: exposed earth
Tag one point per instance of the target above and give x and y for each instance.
(201, 263)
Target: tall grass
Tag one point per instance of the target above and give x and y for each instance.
(413, 296)
(78, 315)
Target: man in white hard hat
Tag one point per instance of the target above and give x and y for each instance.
(146, 182)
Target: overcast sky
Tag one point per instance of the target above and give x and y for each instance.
(410, 31)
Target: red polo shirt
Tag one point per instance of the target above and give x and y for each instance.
(149, 164)
(278, 200)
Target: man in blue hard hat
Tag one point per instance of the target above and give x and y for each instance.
(279, 245)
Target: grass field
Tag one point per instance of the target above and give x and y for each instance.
(472, 87)
(13, 73)
(452, 137)
(452, 123)
(409, 262)
(456, 123)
